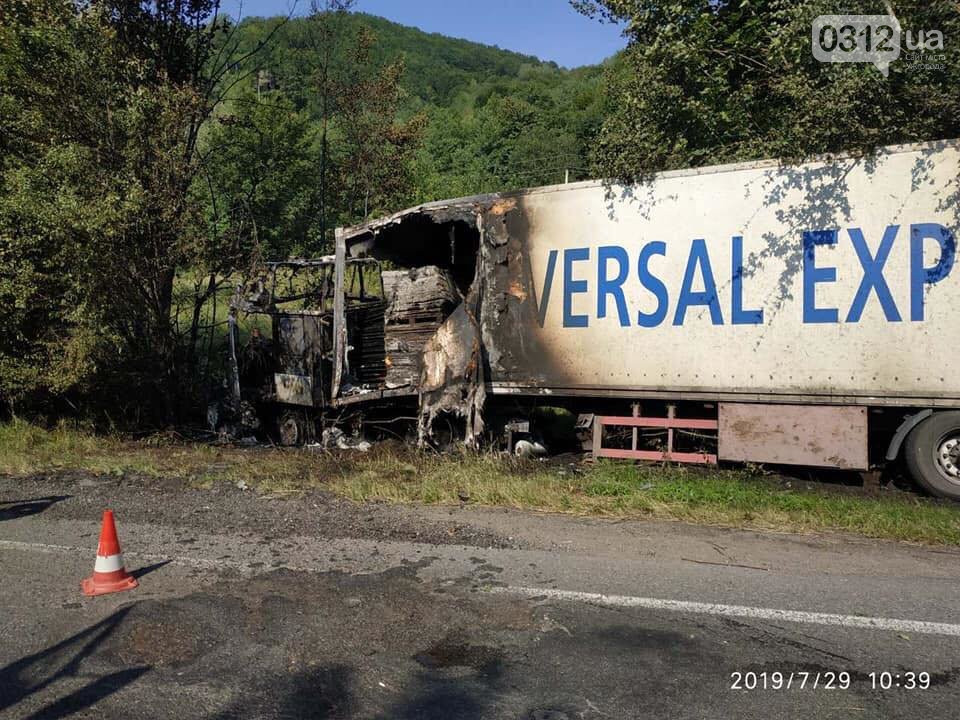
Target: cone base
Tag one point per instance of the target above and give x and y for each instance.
(94, 586)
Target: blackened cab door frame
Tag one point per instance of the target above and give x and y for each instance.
(339, 314)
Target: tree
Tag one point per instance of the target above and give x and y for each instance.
(711, 81)
(257, 181)
(100, 109)
(325, 30)
(376, 153)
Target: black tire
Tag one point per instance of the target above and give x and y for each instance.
(931, 466)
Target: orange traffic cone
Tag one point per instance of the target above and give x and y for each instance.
(109, 575)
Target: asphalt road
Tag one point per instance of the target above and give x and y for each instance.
(315, 608)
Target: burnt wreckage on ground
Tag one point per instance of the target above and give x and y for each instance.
(346, 333)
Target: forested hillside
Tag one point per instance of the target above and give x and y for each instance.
(438, 67)
(490, 119)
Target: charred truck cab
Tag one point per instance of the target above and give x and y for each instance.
(750, 312)
(293, 372)
(367, 331)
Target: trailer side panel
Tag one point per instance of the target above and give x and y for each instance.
(832, 279)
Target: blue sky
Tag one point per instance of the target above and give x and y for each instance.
(549, 29)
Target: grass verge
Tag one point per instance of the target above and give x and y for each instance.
(396, 473)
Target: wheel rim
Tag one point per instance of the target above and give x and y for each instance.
(289, 431)
(947, 456)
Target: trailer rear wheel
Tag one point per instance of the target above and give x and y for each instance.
(932, 453)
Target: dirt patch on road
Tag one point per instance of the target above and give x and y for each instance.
(412, 645)
(164, 634)
(456, 652)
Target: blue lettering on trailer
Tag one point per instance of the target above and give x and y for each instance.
(920, 275)
(652, 283)
(572, 287)
(873, 275)
(613, 275)
(813, 276)
(614, 288)
(739, 316)
(708, 297)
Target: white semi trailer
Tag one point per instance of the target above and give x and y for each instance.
(800, 314)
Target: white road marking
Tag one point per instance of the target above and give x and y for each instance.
(188, 561)
(246, 568)
(742, 611)
(919, 627)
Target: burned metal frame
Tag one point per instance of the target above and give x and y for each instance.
(323, 262)
(447, 236)
(263, 298)
(671, 423)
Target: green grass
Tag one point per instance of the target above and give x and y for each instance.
(396, 473)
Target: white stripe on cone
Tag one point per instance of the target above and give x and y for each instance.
(108, 563)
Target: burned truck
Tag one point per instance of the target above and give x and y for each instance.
(764, 312)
